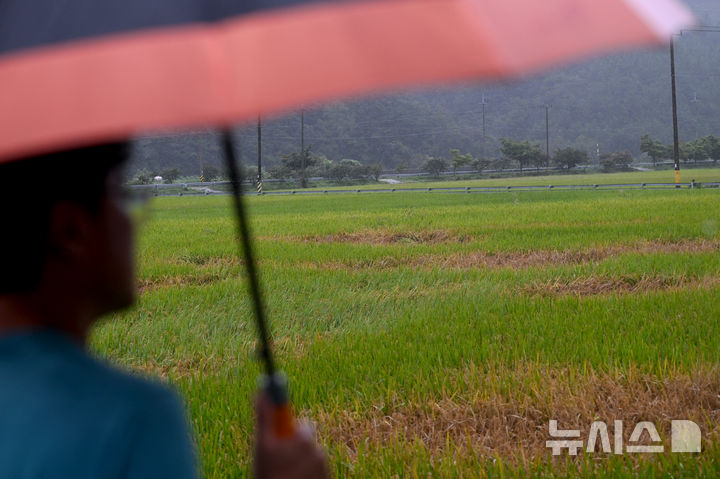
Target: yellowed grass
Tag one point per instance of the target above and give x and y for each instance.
(595, 285)
(380, 237)
(207, 277)
(216, 269)
(527, 259)
(515, 425)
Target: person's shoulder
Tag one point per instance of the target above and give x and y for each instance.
(158, 437)
(152, 425)
(81, 383)
(95, 378)
(59, 398)
(146, 399)
(124, 383)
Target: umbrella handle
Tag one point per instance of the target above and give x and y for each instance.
(284, 421)
(275, 386)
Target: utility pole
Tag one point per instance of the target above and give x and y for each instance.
(547, 135)
(303, 181)
(695, 120)
(676, 146)
(597, 153)
(259, 168)
(483, 130)
(202, 162)
(676, 142)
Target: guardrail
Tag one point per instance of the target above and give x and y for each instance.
(199, 189)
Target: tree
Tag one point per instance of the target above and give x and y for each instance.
(355, 169)
(712, 147)
(539, 161)
(459, 160)
(498, 163)
(347, 168)
(338, 172)
(653, 148)
(280, 172)
(210, 173)
(569, 157)
(480, 164)
(620, 160)
(142, 177)
(376, 171)
(170, 175)
(321, 166)
(294, 162)
(696, 149)
(249, 172)
(401, 167)
(523, 152)
(434, 166)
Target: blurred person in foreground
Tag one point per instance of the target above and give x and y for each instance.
(67, 249)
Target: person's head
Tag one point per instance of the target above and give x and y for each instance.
(65, 229)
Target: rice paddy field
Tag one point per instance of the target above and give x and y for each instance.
(628, 177)
(436, 335)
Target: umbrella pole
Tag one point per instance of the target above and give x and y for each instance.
(275, 384)
(244, 234)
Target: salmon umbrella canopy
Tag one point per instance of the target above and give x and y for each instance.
(76, 72)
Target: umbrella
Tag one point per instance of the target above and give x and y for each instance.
(81, 71)
(77, 72)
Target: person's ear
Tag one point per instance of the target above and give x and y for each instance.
(70, 234)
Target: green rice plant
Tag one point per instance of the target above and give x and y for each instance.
(413, 305)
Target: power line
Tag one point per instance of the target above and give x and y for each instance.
(470, 115)
(702, 28)
(367, 137)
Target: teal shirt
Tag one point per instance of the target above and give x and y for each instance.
(64, 414)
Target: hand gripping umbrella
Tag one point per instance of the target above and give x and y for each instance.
(77, 72)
